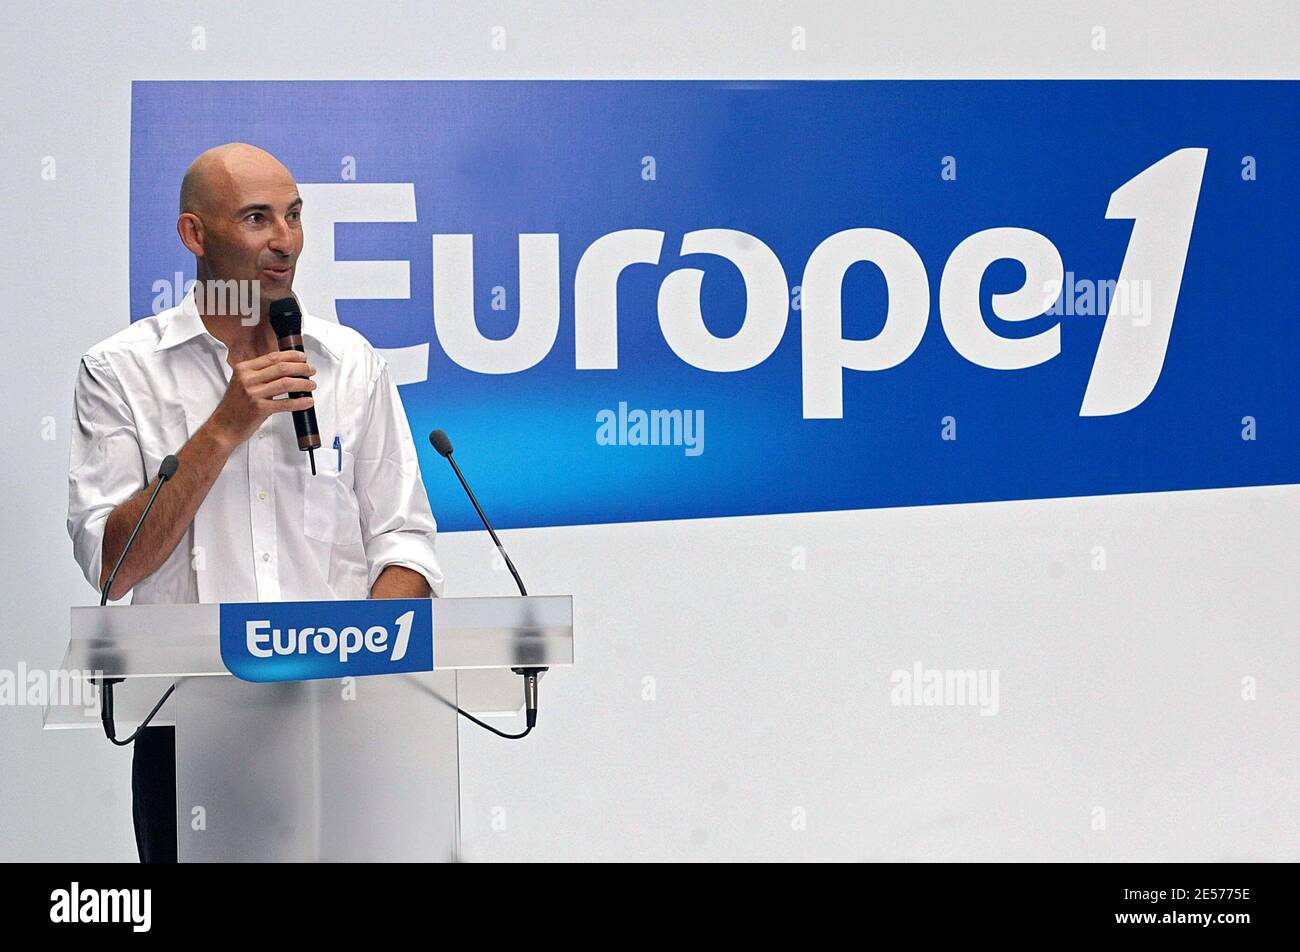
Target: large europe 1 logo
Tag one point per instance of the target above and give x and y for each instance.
(1161, 201)
(295, 641)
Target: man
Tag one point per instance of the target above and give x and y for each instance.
(243, 519)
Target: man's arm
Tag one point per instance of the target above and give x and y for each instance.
(201, 459)
(396, 525)
(247, 402)
(397, 581)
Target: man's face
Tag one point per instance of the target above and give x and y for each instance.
(253, 228)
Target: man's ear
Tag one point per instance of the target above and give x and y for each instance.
(190, 227)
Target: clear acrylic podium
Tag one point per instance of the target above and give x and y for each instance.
(364, 769)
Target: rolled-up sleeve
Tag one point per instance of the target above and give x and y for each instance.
(397, 524)
(105, 467)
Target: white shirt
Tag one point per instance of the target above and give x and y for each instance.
(268, 530)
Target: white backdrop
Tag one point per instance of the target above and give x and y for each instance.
(732, 696)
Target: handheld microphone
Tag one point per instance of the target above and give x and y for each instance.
(165, 472)
(442, 444)
(286, 321)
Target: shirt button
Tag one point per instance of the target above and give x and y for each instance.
(266, 556)
(261, 494)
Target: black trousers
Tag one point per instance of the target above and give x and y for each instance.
(153, 794)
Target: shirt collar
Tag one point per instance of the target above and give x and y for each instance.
(186, 324)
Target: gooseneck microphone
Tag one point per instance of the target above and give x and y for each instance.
(286, 321)
(442, 444)
(165, 472)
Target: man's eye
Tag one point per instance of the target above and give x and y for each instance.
(254, 215)
(294, 216)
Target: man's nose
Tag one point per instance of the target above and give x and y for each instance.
(281, 239)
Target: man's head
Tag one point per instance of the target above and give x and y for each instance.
(240, 216)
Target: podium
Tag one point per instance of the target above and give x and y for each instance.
(346, 769)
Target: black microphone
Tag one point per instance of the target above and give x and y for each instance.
(442, 444)
(286, 321)
(165, 472)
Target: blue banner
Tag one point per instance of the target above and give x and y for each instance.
(303, 641)
(637, 300)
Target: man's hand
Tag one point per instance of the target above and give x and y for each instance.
(249, 397)
(247, 402)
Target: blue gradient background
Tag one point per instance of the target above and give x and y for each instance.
(790, 163)
(337, 615)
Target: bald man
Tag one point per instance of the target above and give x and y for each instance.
(243, 519)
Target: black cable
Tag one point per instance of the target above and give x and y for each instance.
(106, 715)
(530, 705)
(488, 727)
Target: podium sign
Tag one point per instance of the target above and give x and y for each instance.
(307, 641)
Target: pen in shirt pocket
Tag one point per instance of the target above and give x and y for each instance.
(338, 449)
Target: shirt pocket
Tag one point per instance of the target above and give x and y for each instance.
(329, 506)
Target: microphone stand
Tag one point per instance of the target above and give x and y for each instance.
(442, 445)
(165, 472)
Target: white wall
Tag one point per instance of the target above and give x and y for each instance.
(1119, 688)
